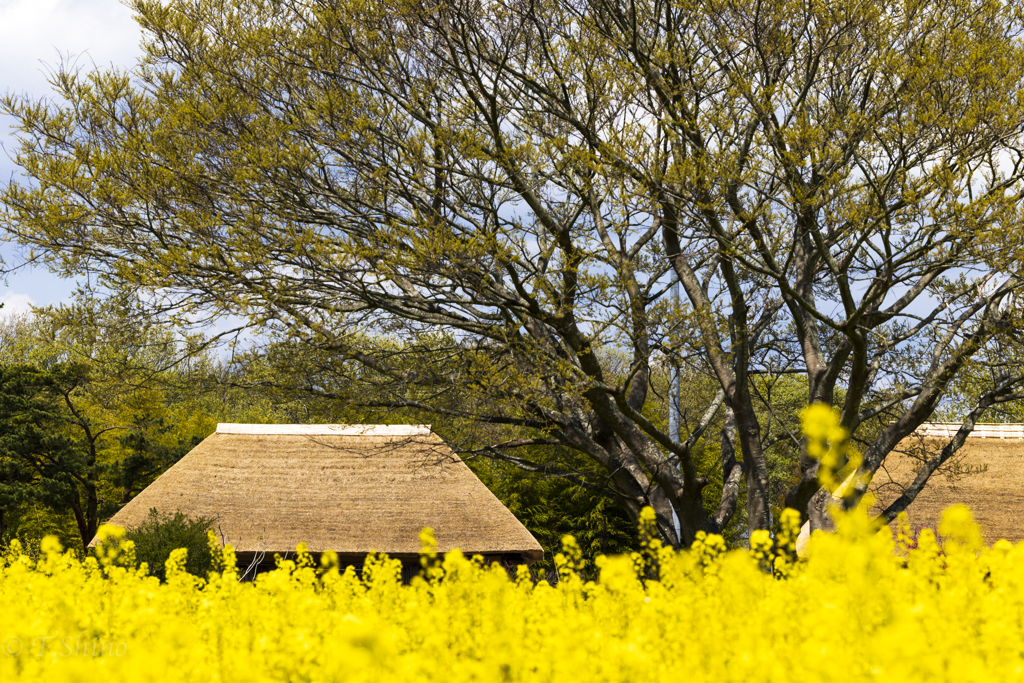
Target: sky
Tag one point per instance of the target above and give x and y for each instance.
(36, 35)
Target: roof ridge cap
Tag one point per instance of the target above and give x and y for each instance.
(983, 430)
(323, 429)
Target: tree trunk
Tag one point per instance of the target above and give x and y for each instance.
(755, 468)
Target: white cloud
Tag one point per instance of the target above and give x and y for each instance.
(14, 304)
(41, 31)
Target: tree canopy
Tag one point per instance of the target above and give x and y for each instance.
(511, 188)
(93, 406)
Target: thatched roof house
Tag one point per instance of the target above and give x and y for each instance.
(987, 475)
(348, 488)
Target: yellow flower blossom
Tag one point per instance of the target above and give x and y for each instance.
(863, 606)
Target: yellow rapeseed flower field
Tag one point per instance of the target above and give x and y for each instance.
(862, 606)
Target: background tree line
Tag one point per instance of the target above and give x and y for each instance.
(94, 406)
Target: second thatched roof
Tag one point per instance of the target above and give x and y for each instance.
(353, 489)
(987, 475)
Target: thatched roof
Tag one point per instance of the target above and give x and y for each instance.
(348, 488)
(987, 475)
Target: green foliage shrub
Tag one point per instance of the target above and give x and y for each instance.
(553, 507)
(161, 533)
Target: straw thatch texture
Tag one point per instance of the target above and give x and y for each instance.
(987, 475)
(352, 491)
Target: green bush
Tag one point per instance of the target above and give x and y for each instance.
(161, 533)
